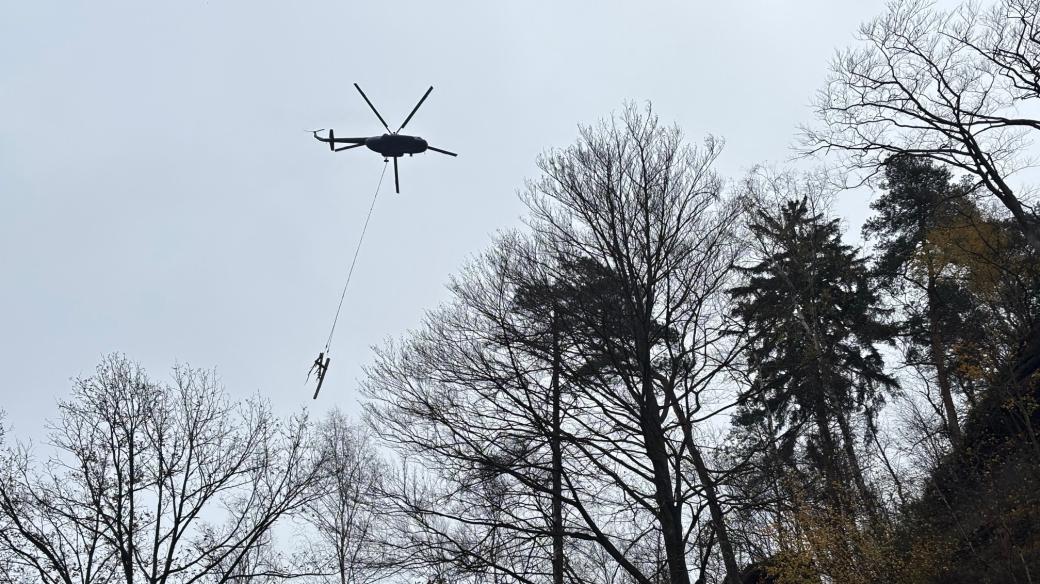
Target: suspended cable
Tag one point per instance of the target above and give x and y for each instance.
(353, 261)
(321, 364)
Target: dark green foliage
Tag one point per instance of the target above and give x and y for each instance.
(815, 320)
(918, 217)
(592, 313)
(918, 197)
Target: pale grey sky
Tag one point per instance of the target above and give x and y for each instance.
(159, 197)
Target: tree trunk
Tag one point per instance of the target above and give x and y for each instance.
(833, 473)
(938, 351)
(867, 497)
(669, 514)
(718, 519)
(557, 459)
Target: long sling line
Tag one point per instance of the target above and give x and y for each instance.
(321, 365)
(353, 261)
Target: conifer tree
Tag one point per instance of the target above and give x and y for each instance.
(919, 219)
(816, 323)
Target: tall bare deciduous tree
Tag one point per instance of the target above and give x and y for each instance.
(633, 199)
(153, 482)
(953, 86)
(633, 244)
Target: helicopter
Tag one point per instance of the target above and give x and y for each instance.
(390, 145)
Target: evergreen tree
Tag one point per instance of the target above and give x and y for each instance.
(919, 220)
(816, 323)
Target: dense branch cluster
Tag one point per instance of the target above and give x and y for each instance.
(956, 87)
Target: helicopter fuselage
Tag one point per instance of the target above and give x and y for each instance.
(394, 145)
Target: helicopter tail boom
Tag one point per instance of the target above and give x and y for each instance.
(332, 140)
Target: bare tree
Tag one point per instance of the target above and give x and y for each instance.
(9, 570)
(633, 253)
(263, 563)
(949, 86)
(153, 482)
(633, 199)
(346, 513)
(469, 398)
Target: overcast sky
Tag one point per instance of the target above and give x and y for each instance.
(159, 196)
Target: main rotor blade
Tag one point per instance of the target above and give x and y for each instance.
(348, 147)
(441, 151)
(415, 109)
(397, 182)
(373, 107)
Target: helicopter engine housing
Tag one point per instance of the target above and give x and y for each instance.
(394, 145)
